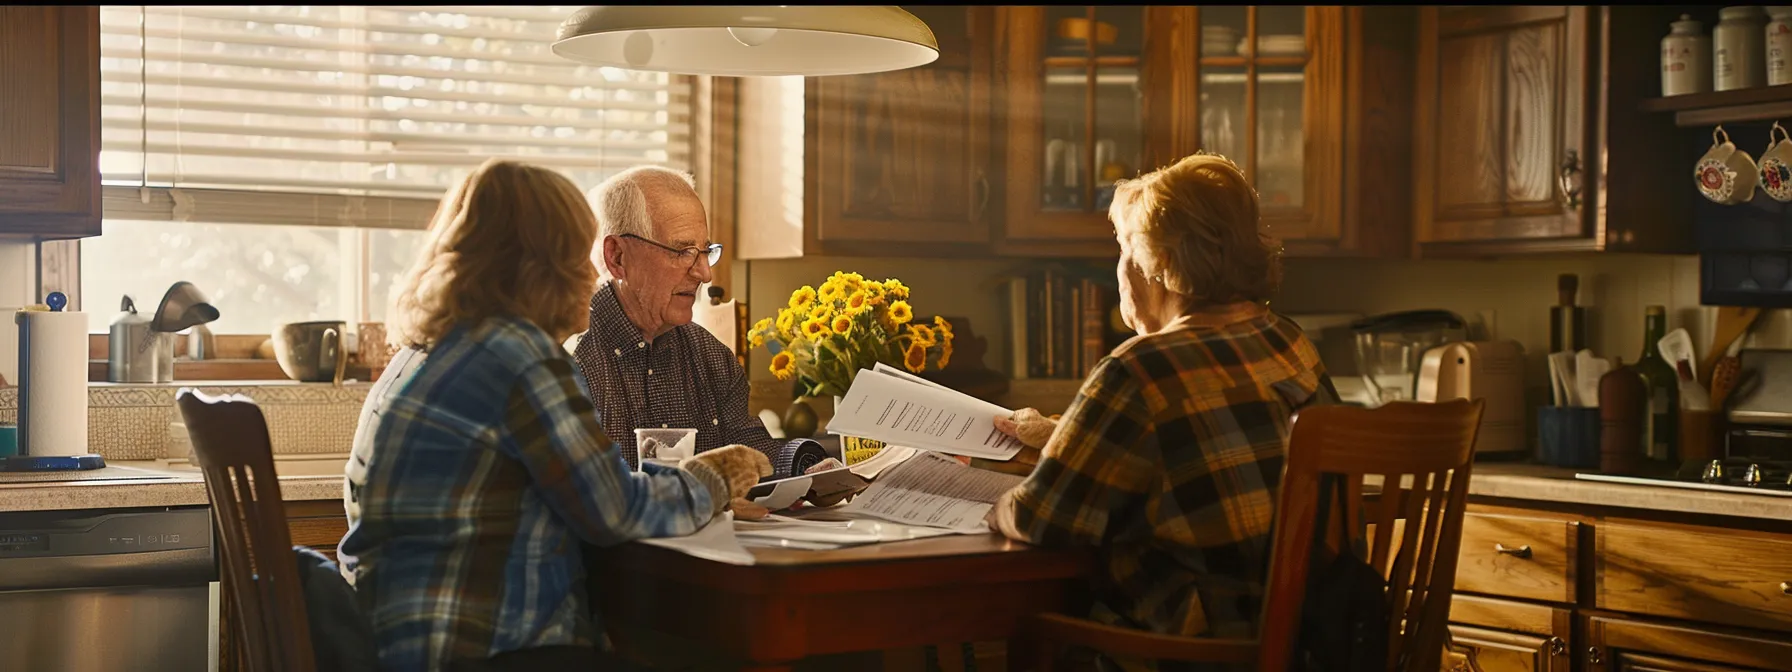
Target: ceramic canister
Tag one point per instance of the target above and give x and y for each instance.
(1685, 58)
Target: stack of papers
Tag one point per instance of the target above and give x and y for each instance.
(896, 408)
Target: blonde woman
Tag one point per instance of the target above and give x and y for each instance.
(1168, 459)
(479, 465)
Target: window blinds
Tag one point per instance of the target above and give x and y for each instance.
(357, 115)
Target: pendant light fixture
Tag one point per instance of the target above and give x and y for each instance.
(745, 40)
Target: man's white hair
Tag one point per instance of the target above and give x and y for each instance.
(621, 201)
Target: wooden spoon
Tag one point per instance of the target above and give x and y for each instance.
(1723, 381)
(1732, 323)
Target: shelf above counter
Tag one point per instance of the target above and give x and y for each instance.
(1761, 103)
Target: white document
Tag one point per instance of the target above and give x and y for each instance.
(714, 542)
(885, 459)
(934, 491)
(837, 529)
(897, 411)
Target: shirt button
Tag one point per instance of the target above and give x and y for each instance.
(619, 351)
(650, 372)
(713, 422)
(662, 425)
(641, 344)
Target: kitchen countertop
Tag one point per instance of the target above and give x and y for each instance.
(1497, 481)
(187, 488)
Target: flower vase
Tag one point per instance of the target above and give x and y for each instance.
(856, 449)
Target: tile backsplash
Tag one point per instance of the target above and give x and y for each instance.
(130, 422)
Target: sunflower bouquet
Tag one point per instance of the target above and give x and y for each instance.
(828, 334)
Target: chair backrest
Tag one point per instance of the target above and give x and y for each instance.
(1429, 445)
(231, 444)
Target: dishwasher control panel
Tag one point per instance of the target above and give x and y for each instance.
(30, 534)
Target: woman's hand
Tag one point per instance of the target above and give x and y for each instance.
(740, 467)
(1031, 428)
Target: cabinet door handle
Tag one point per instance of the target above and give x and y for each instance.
(1520, 552)
(1570, 180)
(981, 186)
(1557, 647)
(1593, 656)
(1786, 587)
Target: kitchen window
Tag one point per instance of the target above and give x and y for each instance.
(285, 159)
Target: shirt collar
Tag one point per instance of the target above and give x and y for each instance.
(610, 323)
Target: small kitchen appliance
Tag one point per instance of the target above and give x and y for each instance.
(1391, 347)
(1489, 370)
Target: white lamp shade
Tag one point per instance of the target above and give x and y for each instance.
(748, 41)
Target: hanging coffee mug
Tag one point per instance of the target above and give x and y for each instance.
(1726, 175)
(1776, 173)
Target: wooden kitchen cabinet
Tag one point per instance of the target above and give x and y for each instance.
(1617, 643)
(1514, 108)
(1156, 83)
(49, 121)
(1494, 635)
(903, 158)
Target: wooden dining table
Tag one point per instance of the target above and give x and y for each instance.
(792, 604)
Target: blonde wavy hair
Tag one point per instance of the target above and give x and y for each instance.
(511, 239)
(1193, 226)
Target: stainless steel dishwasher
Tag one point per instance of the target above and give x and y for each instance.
(108, 589)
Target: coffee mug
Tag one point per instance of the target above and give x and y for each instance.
(312, 352)
(1776, 172)
(1726, 175)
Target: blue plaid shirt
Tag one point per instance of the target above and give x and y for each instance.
(476, 473)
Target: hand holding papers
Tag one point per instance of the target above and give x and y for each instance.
(934, 491)
(900, 409)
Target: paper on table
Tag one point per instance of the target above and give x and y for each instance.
(934, 491)
(890, 456)
(714, 542)
(891, 409)
(839, 528)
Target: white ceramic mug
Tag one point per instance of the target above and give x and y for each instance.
(1726, 175)
(1776, 165)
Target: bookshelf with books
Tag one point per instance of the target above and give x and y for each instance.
(1062, 319)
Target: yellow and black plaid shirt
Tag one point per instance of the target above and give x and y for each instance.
(1168, 462)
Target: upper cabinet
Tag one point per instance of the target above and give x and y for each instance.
(904, 157)
(1096, 94)
(1514, 108)
(49, 121)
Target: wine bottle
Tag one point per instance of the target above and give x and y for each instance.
(1659, 427)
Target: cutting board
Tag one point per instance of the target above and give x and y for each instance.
(101, 474)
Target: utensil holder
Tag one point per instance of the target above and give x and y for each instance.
(1568, 437)
(1701, 435)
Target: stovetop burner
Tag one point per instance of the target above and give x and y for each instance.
(1764, 474)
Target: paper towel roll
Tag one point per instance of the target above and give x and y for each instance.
(52, 383)
(718, 318)
(9, 350)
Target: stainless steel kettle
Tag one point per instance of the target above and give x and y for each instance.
(135, 351)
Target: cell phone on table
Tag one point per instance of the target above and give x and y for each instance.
(766, 487)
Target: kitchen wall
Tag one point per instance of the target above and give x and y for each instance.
(18, 273)
(1515, 292)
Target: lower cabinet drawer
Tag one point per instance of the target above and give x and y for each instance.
(1732, 577)
(1521, 557)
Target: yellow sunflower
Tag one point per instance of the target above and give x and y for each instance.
(787, 323)
(900, 313)
(896, 290)
(821, 311)
(830, 292)
(783, 365)
(756, 336)
(874, 290)
(945, 351)
(815, 329)
(858, 302)
(941, 325)
(842, 325)
(802, 297)
(915, 358)
(921, 334)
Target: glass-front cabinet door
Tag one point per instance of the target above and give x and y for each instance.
(1097, 94)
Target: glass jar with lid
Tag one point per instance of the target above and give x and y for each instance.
(1739, 58)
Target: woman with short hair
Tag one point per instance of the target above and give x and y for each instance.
(1168, 459)
(479, 465)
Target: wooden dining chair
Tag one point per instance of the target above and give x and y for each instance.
(1429, 445)
(230, 441)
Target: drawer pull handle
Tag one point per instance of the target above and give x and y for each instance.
(1785, 588)
(1520, 552)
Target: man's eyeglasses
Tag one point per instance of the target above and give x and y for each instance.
(713, 253)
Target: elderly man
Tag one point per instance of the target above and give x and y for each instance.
(645, 363)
